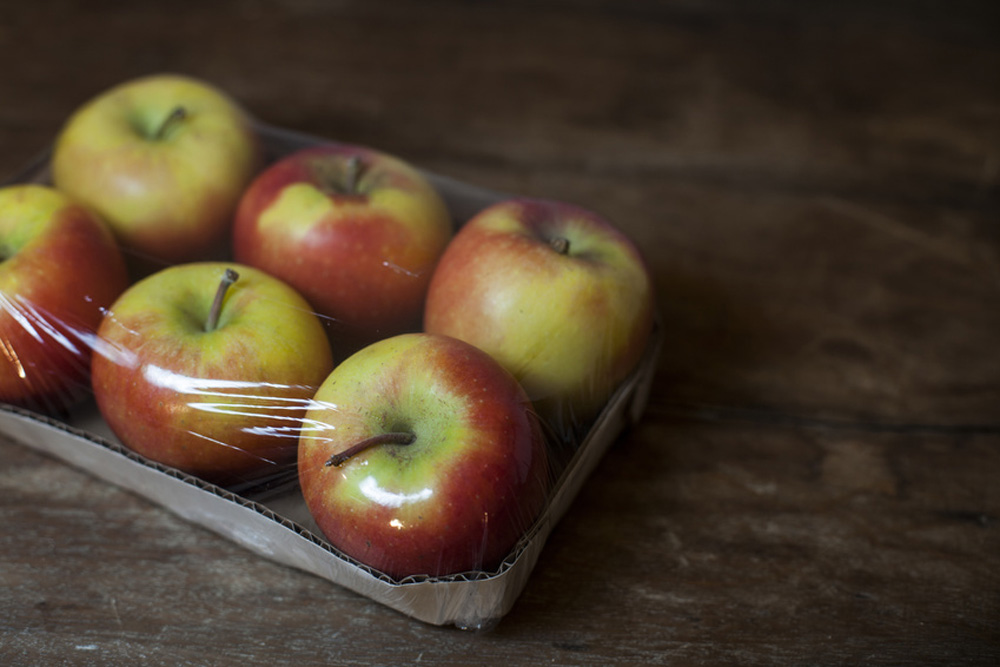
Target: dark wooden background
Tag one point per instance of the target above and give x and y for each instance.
(816, 185)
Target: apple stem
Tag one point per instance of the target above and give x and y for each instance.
(176, 116)
(353, 174)
(228, 278)
(393, 438)
(560, 244)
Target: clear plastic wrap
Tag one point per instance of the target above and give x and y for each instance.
(60, 270)
(219, 392)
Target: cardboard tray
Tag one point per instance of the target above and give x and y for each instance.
(277, 524)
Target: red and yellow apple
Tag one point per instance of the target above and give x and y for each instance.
(208, 368)
(421, 455)
(356, 231)
(164, 159)
(556, 293)
(59, 268)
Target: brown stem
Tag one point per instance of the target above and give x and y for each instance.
(228, 278)
(176, 116)
(353, 174)
(560, 244)
(393, 438)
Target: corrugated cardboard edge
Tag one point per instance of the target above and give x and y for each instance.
(471, 600)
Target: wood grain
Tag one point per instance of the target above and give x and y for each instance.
(816, 186)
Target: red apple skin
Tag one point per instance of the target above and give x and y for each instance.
(61, 269)
(224, 405)
(365, 261)
(473, 481)
(570, 327)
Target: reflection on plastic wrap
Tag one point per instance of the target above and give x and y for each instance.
(60, 270)
(423, 456)
(424, 469)
(208, 368)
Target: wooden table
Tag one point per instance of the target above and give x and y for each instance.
(816, 186)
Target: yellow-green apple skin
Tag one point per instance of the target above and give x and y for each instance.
(556, 293)
(360, 246)
(225, 403)
(455, 499)
(59, 269)
(167, 188)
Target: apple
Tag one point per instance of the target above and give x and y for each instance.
(208, 367)
(356, 231)
(556, 293)
(59, 268)
(164, 159)
(421, 455)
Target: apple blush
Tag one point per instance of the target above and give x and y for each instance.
(209, 368)
(164, 159)
(357, 232)
(59, 269)
(421, 455)
(554, 292)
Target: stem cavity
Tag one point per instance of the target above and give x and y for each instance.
(392, 438)
(228, 278)
(560, 244)
(176, 116)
